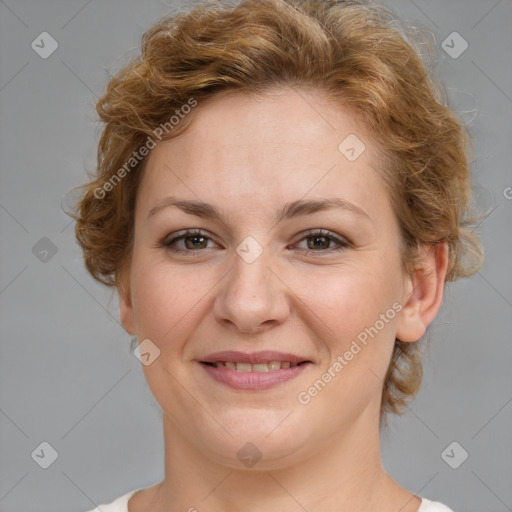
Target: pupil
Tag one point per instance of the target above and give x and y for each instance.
(319, 241)
(194, 240)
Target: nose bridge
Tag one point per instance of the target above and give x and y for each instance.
(251, 270)
(251, 295)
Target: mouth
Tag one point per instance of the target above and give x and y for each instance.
(256, 367)
(254, 371)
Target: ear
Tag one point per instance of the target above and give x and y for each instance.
(126, 308)
(424, 294)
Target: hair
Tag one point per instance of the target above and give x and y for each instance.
(353, 52)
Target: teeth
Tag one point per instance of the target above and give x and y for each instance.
(243, 367)
(257, 367)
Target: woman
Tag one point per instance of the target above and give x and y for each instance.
(281, 196)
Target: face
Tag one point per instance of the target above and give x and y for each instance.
(276, 276)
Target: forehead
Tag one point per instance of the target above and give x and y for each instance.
(279, 144)
(291, 121)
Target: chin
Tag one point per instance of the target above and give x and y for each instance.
(259, 440)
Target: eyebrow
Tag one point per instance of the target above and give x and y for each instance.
(289, 211)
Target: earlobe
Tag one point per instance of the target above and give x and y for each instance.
(424, 296)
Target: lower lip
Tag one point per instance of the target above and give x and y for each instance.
(253, 380)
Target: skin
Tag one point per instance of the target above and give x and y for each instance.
(248, 156)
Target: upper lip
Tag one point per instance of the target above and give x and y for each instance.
(264, 356)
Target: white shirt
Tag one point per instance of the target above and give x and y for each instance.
(121, 505)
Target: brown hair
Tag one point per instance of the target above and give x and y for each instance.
(352, 51)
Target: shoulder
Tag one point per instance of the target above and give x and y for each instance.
(118, 505)
(433, 506)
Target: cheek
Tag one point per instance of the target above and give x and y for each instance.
(349, 299)
(356, 304)
(164, 297)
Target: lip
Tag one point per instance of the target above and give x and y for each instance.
(253, 381)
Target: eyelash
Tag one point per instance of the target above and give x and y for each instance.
(190, 233)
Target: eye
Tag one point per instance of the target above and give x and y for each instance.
(188, 241)
(321, 240)
(318, 241)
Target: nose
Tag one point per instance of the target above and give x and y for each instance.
(252, 298)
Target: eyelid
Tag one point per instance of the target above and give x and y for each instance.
(182, 234)
(343, 242)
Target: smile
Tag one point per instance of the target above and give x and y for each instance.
(255, 371)
(257, 367)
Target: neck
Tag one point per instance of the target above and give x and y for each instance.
(344, 472)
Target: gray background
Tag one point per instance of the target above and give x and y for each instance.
(67, 376)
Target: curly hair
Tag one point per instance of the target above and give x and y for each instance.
(351, 50)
